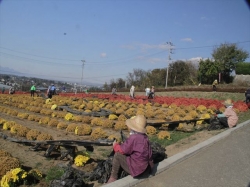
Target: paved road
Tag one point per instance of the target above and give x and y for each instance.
(225, 163)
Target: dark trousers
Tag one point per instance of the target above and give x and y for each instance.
(50, 94)
(223, 121)
(151, 95)
(247, 98)
(119, 161)
(214, 87)
(32, 93)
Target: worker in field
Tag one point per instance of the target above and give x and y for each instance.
(229, 117)
(11, 90)
(152, 93)
(215, 83)
(132, 92)
(135, 154)
(3, 90)
(113, 91)
(51, 91)
(32, 90)
(247, 95)
(147, 90)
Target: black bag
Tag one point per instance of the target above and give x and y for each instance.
(214, 124)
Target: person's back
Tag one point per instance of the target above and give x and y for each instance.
(152, 92)
(132, 92)
(32, 90)
(147, 90)
(113, 91)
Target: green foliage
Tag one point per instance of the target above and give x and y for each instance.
(243, 68)
(208, 71)
(54, 173)
(181, 73)
(156, 77)
(227, 56)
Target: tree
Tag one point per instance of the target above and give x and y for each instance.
(192, 76)
(112, 84)
(227, 56)
(138, 77)
(120, 83)
(106, 86)
(208, 71)
(243, 68)
(180, 73)
(156, 78)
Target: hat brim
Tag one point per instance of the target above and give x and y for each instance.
(228, 104)
(132, 125)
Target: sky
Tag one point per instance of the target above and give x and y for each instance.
(95, 41)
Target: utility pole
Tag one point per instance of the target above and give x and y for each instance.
(82, 73)
(170, 46)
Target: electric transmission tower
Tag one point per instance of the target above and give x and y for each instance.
(170, 47)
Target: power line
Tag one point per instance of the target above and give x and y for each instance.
(37, 55)
(66, 77)
(121, 60)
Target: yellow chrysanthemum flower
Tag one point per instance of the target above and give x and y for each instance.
(69, 116)
(53, 107)
(81, 159)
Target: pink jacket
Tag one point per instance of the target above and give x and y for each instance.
(232, 117)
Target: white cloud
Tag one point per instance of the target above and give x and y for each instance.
(195, 59)
(103, 55)
(187, 40)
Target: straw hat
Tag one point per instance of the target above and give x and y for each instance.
(137, 123)
(228, 102)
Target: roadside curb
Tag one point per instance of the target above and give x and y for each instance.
(175, 159)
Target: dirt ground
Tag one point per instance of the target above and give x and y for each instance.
(36, 159)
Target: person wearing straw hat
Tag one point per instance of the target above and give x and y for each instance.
(229, 117)
(135, 154)
(214, 85)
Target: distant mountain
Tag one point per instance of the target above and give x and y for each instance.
(9, 71)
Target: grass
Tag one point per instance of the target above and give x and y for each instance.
(54, 173)
(244, 116)
(195, 94)
(175, 137)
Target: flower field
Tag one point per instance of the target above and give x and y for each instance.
(91, 117)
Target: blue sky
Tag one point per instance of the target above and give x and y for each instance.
(49, 38)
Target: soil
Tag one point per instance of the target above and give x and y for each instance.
(36, 159)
